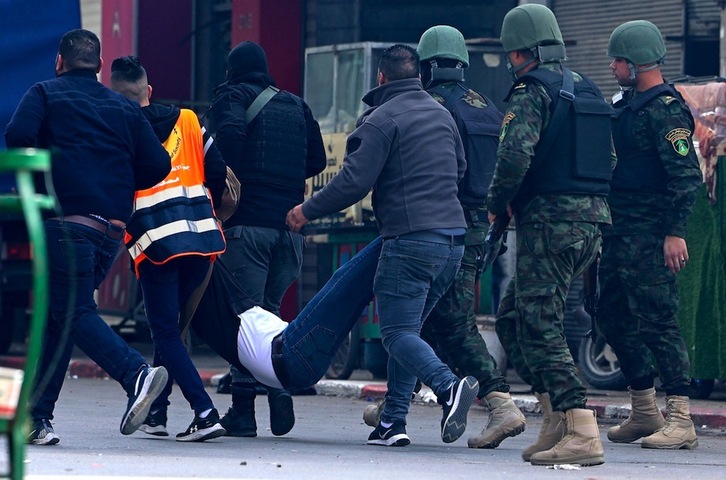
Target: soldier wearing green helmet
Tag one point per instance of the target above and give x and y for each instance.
(451, 328)
(640, 43)
(652, 195)
(552, 173)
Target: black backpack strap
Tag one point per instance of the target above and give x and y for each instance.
(564, 102)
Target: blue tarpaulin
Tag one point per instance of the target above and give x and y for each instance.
(30, 31)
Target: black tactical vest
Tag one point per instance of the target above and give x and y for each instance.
(579, 159)
(638, 170)
(479, 130)
(276, 147)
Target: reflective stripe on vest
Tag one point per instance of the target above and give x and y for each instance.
(175, 217)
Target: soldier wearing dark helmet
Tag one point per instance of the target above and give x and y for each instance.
(451, 326)
(652, 195)
(553, 168)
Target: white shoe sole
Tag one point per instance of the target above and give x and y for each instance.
(214, 431)
(454, 424)
(153, 385)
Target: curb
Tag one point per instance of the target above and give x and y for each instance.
(703, 417)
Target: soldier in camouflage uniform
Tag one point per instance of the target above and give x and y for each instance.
(652, 194)
(552, 174)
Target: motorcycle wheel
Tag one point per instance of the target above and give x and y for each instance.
(701, 388)
(599, 365)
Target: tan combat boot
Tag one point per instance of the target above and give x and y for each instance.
(581, 443)
(552, 431)
(645, 418)
(372, 413)
(678, 431)
(505, 420)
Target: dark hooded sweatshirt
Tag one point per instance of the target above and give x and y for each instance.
(162, 119)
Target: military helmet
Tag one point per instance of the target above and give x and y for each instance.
(443, 41)
(528, 26)
(638, 41)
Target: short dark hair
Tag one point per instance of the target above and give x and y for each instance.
(398, 62)
(128, 77)
(128, 69)
(80, 49)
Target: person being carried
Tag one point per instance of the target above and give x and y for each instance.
(173, 236)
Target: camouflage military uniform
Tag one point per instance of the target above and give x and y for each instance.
(557, 238)
(451, 326)
(638, 299)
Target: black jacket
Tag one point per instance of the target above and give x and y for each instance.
(272, 156)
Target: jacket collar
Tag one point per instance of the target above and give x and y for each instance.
(382, 93)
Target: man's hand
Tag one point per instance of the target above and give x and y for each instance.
(493, 217)
(295, 219)
(675, 253)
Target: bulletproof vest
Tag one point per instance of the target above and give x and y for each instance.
(276, 147)
(638, 170)
(479, 130)
(578, 160)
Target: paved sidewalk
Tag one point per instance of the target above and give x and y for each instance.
(708, 415)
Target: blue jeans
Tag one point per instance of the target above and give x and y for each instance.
(79, 258)
(412, 276)
(315, 335)
(166, 288)
(265, 262)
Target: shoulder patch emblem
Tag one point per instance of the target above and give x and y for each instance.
(505, 125)
(679, 139)
(668, 99)
(520, 85)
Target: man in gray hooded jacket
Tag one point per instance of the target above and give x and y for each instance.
(408, 149)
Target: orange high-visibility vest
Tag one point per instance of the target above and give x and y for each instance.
(175, 217)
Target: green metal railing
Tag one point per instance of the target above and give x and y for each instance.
(24, 163)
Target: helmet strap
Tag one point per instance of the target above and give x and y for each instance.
(513, 70)
(445, 74)
(550, 53)
(634, 71)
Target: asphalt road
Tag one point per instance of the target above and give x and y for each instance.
(328, 442)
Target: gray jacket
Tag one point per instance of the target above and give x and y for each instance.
(408, 149)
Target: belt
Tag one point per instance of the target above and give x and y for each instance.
(434, 237)
(278, 362)
(95, 222)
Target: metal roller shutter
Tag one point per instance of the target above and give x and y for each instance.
(586, 26)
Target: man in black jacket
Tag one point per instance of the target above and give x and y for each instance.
(107, 151)
(272, 153)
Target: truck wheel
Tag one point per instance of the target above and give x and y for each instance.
(701, 388)
(599, 366)
(346, 358)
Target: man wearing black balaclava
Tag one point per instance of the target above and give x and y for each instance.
(272, 153)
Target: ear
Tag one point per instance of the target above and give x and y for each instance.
(58, 64)
(148, 91)
(381, 78)
(100, 64)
